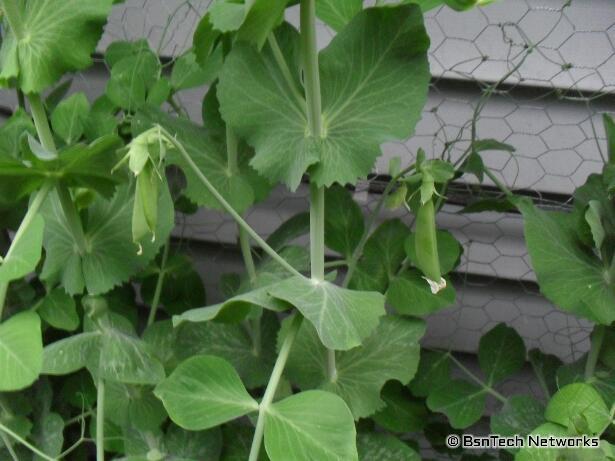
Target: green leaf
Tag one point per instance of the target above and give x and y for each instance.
(390, 352)
(21, 351)
(25, 254)
(241, 188)
(69, 354)
(410, 294)
(344, 224)
(402, 412)
(578, 400)
(233, 342)
(519, 415)
(593, 216)
(383, 447)
(122, 356)
(382, 256)
(434, 369)
(204, 391)
(69, 117)
(135, 68)
(111, 256)
(193, 446)
(187, 73)
(501, 353)
(337, 13)
(252, 20)
(48, 435)
(541, 453)
(52, 39)
(568, 274)
(462, 402)
(12, 130)
(367, 98)
(58, 309)
(343, 318)
(310, 425)
(481, 145)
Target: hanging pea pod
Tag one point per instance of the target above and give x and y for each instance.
(426, 247)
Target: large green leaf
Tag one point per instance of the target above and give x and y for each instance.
(501, 353)
(344, 224)
(48, 434)
(577, 405)
(367, 97)
(25, 254)
(11, 131)
(391, 352)
(185, 445)
(434, 370)
(204, 391)
(568, 274)
(343, 318)
(111, 257)
(462, 402)
(373, 446)
(310, 425)
(402, 412)
(21, 351)
(240, 188)
(52, 38)
(252, 20)
(337, 13)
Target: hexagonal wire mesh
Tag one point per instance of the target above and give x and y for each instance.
(540, 73)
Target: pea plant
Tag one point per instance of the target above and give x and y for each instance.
(105, 349)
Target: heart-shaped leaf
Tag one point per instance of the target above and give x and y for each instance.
(343, 318)
(21, 351)
(501, 353)
(462, 402)
(58, 309)
(310, 425)
(204, 391)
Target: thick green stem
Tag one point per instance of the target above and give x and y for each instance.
(597, 338)
(72, 218)
(498, 183)
(100, 421)
(41, 122)
(228, 208)
(272, 385)
(25, 443)
(317, 232)
(33, 209)
(159, 283)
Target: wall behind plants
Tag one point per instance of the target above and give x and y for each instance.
(553, 133)
(545, 109)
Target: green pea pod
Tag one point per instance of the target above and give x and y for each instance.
(145, 210)
(426, 244)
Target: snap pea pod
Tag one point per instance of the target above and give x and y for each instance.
(426, 246)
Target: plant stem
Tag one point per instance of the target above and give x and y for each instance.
(228, 208)
(231, 151)
(281, 62)
(498, 183)
(309, 55)
(33, 209)
(597, 338)
(25, 443)
(100, 421)
(248, 260)
(272, 385)
(41, 122)
(72, 217)
(159, 283)
(9, 446)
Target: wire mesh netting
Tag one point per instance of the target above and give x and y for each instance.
(535, 74)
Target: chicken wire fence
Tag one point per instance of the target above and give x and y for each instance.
(539, 71)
